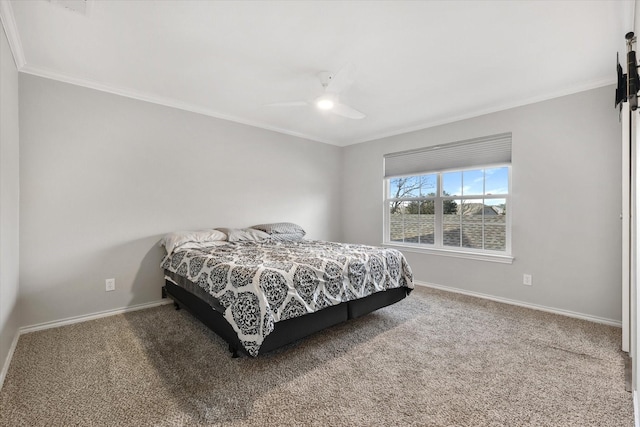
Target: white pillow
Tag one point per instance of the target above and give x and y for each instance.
(281, 228)
(203, 245)
(173, 241)
(244, 234)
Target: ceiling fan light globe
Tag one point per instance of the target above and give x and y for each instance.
(325, 104)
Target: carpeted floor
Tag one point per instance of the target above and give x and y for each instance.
(434, 359)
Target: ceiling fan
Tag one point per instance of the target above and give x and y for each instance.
(329, 100)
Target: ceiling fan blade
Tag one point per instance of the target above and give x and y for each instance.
(340, 80)
(289, 104)
(346, 111)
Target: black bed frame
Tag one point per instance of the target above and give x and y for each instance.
(285, 331)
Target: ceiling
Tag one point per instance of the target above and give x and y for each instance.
(415, 64)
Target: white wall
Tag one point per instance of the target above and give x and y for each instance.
(103, 177)
(566, 201)
(9, 199)
(634, 296)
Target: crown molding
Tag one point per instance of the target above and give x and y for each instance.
(500, 107)
(173, 103)
(167, 102)
(11, 30)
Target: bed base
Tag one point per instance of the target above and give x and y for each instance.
(287, 331)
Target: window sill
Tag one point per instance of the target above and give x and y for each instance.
(478, 256)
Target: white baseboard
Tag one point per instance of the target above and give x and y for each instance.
(70, 321)
(92, 316)
(7, 360)
(106, 313)
(568, 313)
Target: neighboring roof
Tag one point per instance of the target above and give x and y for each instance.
(479, 208)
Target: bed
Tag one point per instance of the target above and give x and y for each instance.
(260, 289)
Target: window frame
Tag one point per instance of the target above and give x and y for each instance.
(438, 247)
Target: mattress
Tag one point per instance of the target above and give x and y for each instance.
(257, 284)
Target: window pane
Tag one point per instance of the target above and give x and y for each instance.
(408, 186)
(471, 210)
(472, 235)
(450, 207)
(413, 186)
(496, 181)
(412, 221)
(496, 207)
(396, 221)
(472, 217)
(452, 184)
(495, 237)
(473, 182)
(427, 222)
(451, 223)
(428, 185)
(394, 186)
(476, 222)
(495, 221)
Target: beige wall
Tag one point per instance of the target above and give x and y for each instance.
(103, 177)
(9, 198)
(565, 204)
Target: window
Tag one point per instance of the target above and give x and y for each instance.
(463, 210)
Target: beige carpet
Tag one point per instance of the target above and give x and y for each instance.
(434, 359)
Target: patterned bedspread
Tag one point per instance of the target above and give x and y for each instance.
(260, 283)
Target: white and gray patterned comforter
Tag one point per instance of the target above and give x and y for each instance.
(260, 283)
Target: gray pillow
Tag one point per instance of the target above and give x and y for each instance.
(288, 237)
(281, 228)
(244, 234)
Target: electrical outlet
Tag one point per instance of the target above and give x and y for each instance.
(527, 280)
(110, 285)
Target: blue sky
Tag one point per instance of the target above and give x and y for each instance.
(461, 183)
(470, 183)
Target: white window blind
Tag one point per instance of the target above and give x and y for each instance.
(494, 149)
